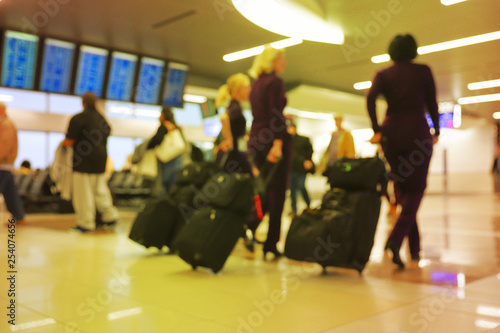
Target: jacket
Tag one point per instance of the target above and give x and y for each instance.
(302, 151)
(61, 171)
(345, 148)
(8, 144)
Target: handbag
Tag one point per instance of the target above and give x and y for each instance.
(148, 165)
(172, 146)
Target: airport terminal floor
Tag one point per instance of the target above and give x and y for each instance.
(103, 282)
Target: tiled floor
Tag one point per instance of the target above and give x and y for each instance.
(68, 282)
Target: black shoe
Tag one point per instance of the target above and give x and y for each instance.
(415, 257)
(107, 225)
(395, 253)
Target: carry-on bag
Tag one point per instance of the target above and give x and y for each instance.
(358, 174)
(339, 234)
(208, 238)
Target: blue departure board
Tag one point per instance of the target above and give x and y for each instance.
(121, 76)
(149, 83)
(57, 66)
(174, 88)
(19, 58)
(91, 70)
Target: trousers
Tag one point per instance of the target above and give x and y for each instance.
(91, 192)
(11, 195)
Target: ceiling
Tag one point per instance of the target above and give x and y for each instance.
(207, 29)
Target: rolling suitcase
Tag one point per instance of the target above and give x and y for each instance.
(339, 234)
(162, 219)
(209, 237)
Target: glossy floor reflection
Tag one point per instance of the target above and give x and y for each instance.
(99, 283)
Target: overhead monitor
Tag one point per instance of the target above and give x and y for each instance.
(19, 60)
(121, 76)
(91, 70)
(57, 66)
(150, 75)
(174, 87)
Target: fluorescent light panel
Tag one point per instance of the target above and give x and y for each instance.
(446, 45)
(496, 115)
(479, 99)
(451, 2)
(195, 98)
(483, 85)
(281, 44)
(362, 85)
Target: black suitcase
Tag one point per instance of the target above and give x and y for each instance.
(340, 234)
(162, 219)
(209, 237)
(154, 225)
(196, 173)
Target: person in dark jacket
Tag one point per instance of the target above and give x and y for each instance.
(88, 133)
(405, 136)
(269, 139)
(301, 165)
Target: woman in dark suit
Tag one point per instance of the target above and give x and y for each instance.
(405, 136)
(269, 139)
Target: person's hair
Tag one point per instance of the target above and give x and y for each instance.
(263, 63)
(89, 99)
(168, 114)
(403, 48)
(26, 164)
(233, 83)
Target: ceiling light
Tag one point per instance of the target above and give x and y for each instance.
(281, 44)
(381, 58)
(195, 98)
(362, 85)
(496, 115)
(292, 21)
(6, 98)
(484, 84)
(447, 45)
(479, 99)
(286, 43)
(243, 54)
(451, 2)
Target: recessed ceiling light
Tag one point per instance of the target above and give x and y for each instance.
(483, 84)
(451, 2)
(362, 85)
(238, 55)
(447, 45)
(479, 99)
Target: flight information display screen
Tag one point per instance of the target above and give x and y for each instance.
(57, 66)
(19, 59)
(174, 88)
(150, 75)
(91, 70)
(121, 76)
